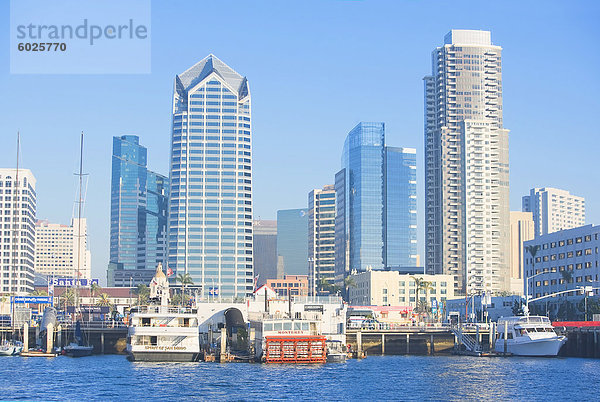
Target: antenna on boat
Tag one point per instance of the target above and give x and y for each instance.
(79, 208)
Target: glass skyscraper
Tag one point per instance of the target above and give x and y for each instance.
(138, 215)
(375, 204)
(292, 240)
(210, 212)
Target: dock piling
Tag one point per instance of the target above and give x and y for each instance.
(358, 344)
(407, 343)
(49, 337)
(382, 344)
(505, 337)
(26, 337)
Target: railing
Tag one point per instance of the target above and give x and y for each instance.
(164, 310)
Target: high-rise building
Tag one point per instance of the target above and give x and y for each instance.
(554, 209)
(265, 251)
(321, 239)
(138, 215)
(18, 209)
(376, 217)
(292, 240)
(210, 208)
(56, 250)
(466, 165)
(521, 230)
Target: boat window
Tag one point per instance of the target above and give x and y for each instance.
(523, 331)
(305, 326)
(287, 325)
(186, 322)
(268, 326)
(145, 321)
(277, 326)
(297, 326)
(510, 335)
(153, 340)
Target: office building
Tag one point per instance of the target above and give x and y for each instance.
(376, 217)
(564, 260)
(290, 285)
(138, 215)
(466, 165)
(521, 230)
(554, 209)
(265, 251)
(391, 288)
(18, 210)
(321, 240)
(210, 208)
(61, 251)
(292, 240)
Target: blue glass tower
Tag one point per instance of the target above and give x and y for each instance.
(210, 210)
(292, 240)
(138, 215)
(376, 204)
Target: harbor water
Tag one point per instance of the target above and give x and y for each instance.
(112, 377)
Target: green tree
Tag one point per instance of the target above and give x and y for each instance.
(68, 298)
(184, 280)
(143, 293)
(517, 308)
(39, 293)
(103, 300)
(94, 289)
(420, 283)
(349, 282)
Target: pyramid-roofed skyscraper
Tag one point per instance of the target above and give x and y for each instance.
(210, 223)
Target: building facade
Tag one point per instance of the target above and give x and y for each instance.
(376, 216)
(565, 260)
(138, 215)
(554, 209)
(521, 230)
(265, 251)
(321, 240)
(62, 250)
(292, 240)
(466, 165)
(18, 210)
(210, 207)
(290, 285)
(392, 288)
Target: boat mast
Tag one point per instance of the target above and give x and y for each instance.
(15, 245)
(79, 207)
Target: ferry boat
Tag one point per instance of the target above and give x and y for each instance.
(161, 332)
(528, 336)
(290, 341)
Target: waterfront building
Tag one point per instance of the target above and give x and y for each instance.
(292, 240)
(293, 285)
(210, 206)
(56, 249)
(466, 165)
(18, 210)
(565, 260)
(265, 251)
(321, 240)
(478, 307)
(521, 230)
(138, 215)
(376, 216)
(392, 288)
(554, 209)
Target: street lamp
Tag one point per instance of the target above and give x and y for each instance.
(527, 290)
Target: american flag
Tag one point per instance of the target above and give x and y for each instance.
(169, 272)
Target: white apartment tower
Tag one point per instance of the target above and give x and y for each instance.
(210, 204)
(554, 209)
(466, 165)
(321, 238)
(56, 252)
(17, 214)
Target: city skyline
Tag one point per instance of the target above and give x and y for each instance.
(529, 167)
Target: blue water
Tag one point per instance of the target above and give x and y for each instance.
(112, 377)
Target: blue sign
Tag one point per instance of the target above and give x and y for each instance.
(70, 282)
(31, 299)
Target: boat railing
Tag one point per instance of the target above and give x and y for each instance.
(164, 310)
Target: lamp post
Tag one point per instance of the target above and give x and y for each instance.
(527, 290)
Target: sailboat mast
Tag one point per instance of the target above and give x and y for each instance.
(79, 206)
(15, 245)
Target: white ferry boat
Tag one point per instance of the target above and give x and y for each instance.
(161, 332)
(528, 336)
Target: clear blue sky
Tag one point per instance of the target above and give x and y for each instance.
(315, 70)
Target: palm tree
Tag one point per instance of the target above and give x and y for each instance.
(94, 289)
(419, 282)
(39, 293)
(68, 297)
(426, 286)
(349, 282)
(184, 279)
(143, 292)
(103, 300)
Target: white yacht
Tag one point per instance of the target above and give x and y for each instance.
(528, 336)
(161, 332)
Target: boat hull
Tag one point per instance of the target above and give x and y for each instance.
(538, 348)
(336, 358)
(79, 351)
(163, 356)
